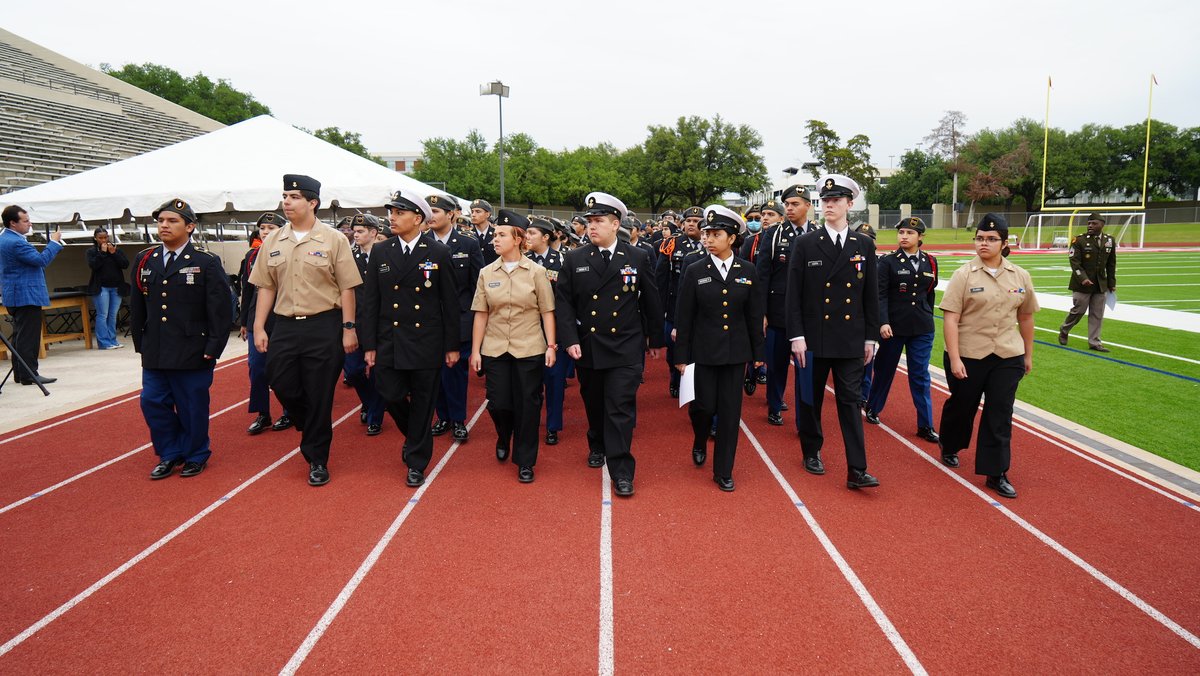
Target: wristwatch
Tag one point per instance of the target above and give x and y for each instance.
(348, 325)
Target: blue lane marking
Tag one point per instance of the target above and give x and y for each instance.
(995, 504)
(1189, 504)
(225, 497)
(413, 501)
(36, 495)
(799, 504)
(606, 502)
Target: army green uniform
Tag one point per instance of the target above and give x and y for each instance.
(1093, 258)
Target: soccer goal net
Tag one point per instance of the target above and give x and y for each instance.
(1055, 230)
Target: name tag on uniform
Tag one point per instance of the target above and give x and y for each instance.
(272, 254)
(976, 289)
(583, 269)
(704, 280)
(902, 271)
(460, 254)
(385, 268)
(318, 254)
(493, 285)
(815, 264)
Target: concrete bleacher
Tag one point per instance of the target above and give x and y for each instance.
(61, 117)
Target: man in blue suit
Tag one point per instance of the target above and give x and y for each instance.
(23, 286)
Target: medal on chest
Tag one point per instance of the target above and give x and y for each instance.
(628, 277)
(427, 269)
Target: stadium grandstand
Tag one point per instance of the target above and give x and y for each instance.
(61, 117)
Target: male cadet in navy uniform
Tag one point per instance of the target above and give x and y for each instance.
(608, 338)
(671, 253)
(833, 320)
(466, 260)
(410, 325)
(772, 261)
(538, 236)
(907, 280)
(180, 312)
(1093, 274)
(306, 275)
(481, 228)
(365, 229)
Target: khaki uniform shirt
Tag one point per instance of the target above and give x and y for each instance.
(515, 302)
(308, 276)
(988, 308)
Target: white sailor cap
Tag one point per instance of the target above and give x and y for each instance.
(718, 217)
(600, 204)
(837, 185)
(405, 199)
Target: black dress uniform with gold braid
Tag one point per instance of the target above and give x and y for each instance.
(667, 273)
(180, 312)
(719, 329)
(833, 303)
(610, 308)
(410, 320)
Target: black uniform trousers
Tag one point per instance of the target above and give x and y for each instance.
(610, 400)
(26, 338)
(995, 379)
(847, 388)
(304, 363)
(719, 392)
(514, 393)
(411, 395)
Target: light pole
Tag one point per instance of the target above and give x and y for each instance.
(500, 91)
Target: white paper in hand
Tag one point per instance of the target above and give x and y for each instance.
(1110, 299)
(687, 385)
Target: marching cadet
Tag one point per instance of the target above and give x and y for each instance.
(719, 329)
(908, 278)
(512, 342)
(180, 312)
(833, 321)
(988, 323)
(1093, 274)
(481, 228)
(256, 362)
(466, 260)
(608, 338)
(365, 227)
(631, 231)
(410, 325)
(672, 251)
(554, 380)
(772, 261)
(307, 279)
(579, 230)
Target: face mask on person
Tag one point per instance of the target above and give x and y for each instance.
(754, 226)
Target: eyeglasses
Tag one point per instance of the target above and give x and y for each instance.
(988, 240)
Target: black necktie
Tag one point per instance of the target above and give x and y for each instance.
(170, 260)
(606, 255)
(839, 242)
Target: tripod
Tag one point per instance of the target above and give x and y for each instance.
(17, 358)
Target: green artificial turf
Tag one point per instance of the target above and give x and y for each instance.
(1164, 233)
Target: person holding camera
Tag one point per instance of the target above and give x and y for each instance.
(106, 286)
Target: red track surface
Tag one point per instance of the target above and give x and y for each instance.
(488, 575)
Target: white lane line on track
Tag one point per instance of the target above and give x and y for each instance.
(140, 556)
(1127, 347)
(606, 664)
(1050, 542)
(99, 467)
(889, 630)
(97, 409)
(1033, 429)
(343, 597)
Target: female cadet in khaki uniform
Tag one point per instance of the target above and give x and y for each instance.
(985, 303)
(512, 341)
(719, 327)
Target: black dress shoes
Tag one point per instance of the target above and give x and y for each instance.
(872, 417)
(950, 459)
(163, 469)
(775, 419)
(928, 434)
(750, 386)
(439, 428)
(595, 459)
(460, 432)
(1097, 348)
(192, 469)
(1062, 337)
(724, 483)
(501, 451)
(46, 381)
(551, 438)
(699, 455)
(415, 478)
(762, 379)
(783, 406)
(374, 430)
(1001, 486)
(362, 417)
(673, 390)
(525, 475)
(318, 475)
(260, 425)
(624, 487)
(813, 464)
(282, 424)
(857, 478)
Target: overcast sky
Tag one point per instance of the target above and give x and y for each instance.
(581, 73)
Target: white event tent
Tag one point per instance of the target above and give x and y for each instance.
(237, 168)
